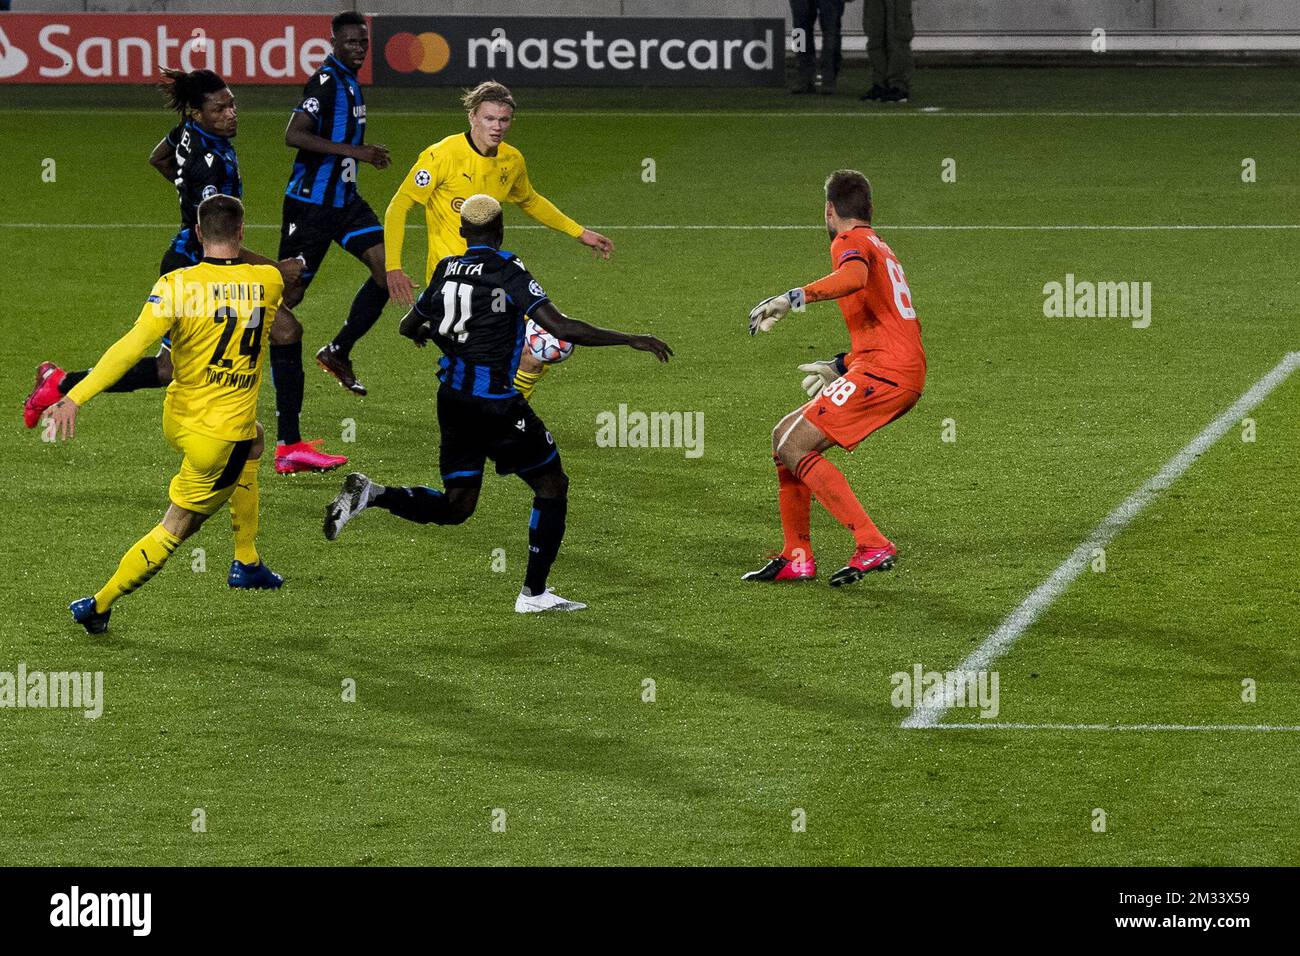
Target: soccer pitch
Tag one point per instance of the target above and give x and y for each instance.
(1159, 686)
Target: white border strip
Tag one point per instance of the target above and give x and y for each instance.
(1043, 596)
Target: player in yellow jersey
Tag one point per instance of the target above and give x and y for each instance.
(452, 170)
(217, 313)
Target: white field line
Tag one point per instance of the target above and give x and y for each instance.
(1042, 597)
(1154, 728)
(706, 227)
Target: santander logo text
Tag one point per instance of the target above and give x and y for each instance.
(131, 48)
(12, 60)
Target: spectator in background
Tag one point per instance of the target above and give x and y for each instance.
(804, 14)
(888, 26)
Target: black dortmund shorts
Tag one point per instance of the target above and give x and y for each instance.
(307, 230)
(508, 431)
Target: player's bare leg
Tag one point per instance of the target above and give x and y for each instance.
(335, 356)
(800, 450)
(292, 454)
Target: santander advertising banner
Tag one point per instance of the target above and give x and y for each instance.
(130, 48)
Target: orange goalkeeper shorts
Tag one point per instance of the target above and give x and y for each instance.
(855, 405)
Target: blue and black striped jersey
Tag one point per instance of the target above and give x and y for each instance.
(332, 98)
(475, 306)
(205, 166)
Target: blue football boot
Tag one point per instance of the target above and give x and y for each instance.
(253, 576)
(84, 613)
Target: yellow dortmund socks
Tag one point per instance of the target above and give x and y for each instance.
(527, 381)
(144, 559)
(244, 514)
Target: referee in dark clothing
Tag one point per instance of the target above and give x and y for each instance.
(805, 14)
(888, 26)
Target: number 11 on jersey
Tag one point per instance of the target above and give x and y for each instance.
(455, 310)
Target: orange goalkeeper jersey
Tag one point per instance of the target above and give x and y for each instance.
(884, 333)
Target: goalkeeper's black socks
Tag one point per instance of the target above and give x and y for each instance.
(420, 504)
(288, 377)
(143, 374)
(366, 309)
(545, 532)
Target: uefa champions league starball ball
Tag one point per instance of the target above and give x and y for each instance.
(544, 346)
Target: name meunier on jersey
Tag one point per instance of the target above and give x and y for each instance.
(206, 166)
(475, 307)
(332, 98)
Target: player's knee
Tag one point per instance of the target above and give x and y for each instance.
(286, 329)
(553, 485)
(461, 503)
(182, 522)
(259, 444)
(790, 454)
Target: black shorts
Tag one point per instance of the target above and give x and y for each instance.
(183, 252)
(307, 230)
(506, 430)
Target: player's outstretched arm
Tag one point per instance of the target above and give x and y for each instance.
(821, 373)
(534, 204)
(848, 278)
(112, 365)
(400, 287)
(163, 159)
(298, 135)
(580, 333)
(600, 245)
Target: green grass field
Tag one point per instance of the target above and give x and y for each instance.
(768, 699)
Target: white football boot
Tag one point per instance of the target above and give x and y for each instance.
(548, 600)
(351, 501)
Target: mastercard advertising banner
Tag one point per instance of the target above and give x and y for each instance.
(578, 51)
(130, 48)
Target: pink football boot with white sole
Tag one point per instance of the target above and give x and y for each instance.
(863, 562)
(305, 456)
(782, 568)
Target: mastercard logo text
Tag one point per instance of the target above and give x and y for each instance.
(408, 52)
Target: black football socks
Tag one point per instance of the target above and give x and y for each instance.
(420, 504)
(288, 377)
(545, 532)
(366, 309)
(143, 374)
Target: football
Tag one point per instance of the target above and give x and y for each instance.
(544, 346)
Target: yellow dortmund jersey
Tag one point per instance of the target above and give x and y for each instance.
(448, 173)
(217, 314)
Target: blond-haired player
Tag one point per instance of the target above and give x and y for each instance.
(457, 167)
(217, 314)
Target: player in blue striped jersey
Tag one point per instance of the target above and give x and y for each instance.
(474, 309)
(198, 158)
(322, 207)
